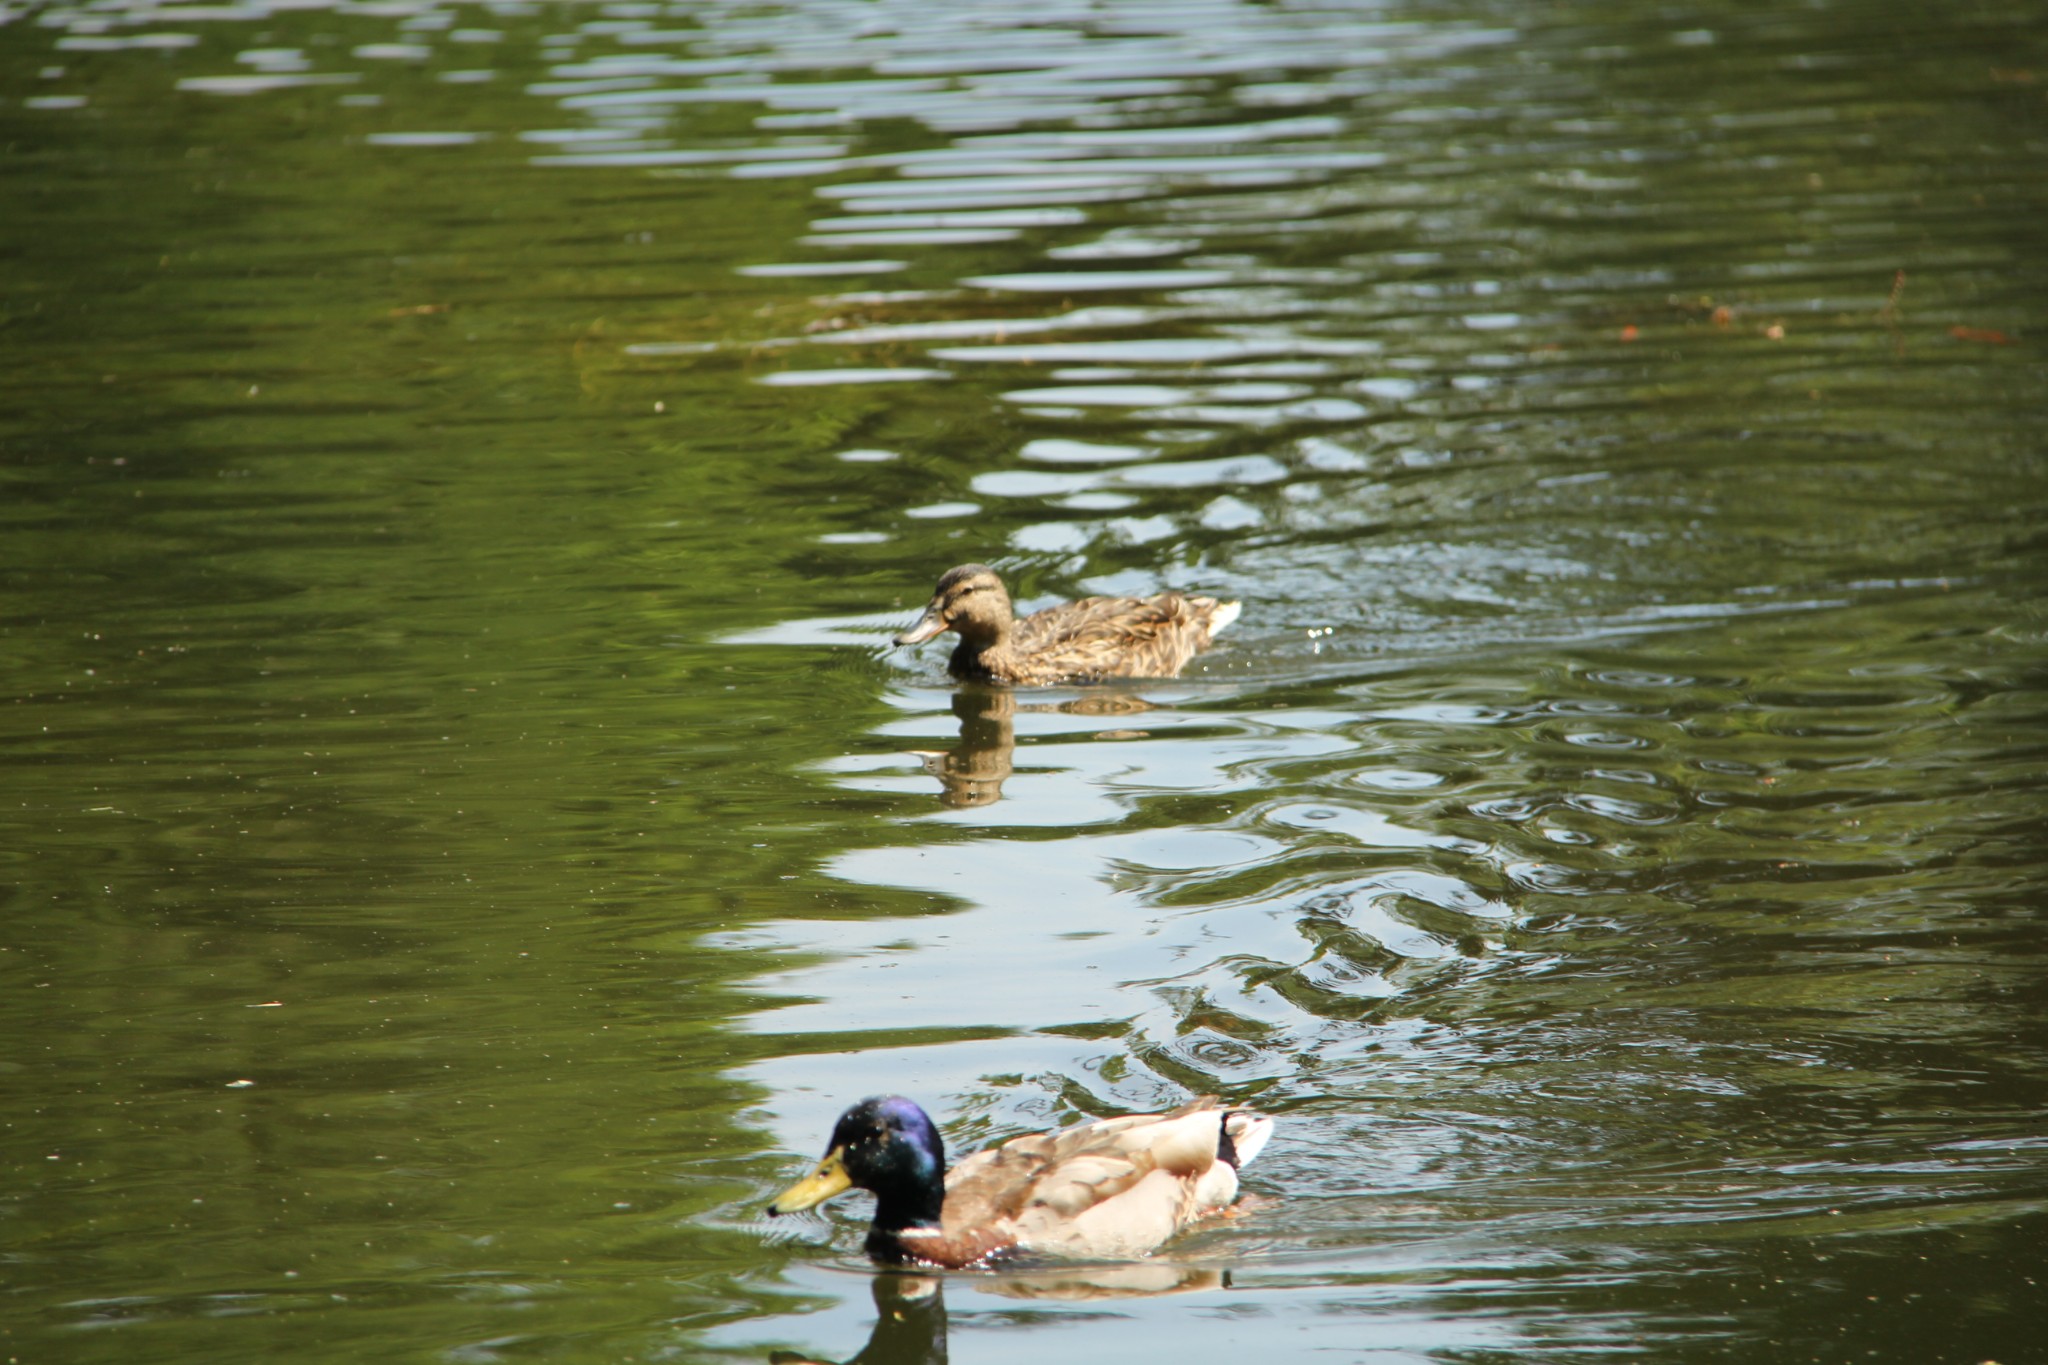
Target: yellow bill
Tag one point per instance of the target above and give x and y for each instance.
(828, 1179)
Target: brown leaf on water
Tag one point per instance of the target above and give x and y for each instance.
(1722, 316)
(418, 310)
(1985, 335)
(1629, 333)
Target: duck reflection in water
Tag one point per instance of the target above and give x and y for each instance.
(972, 773)
(910, 1325)
(910, 1309)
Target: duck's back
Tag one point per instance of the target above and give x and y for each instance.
(1116, 637)
(1112, 1188)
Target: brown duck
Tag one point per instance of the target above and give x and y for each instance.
(1096, 637)
(1106, 1189)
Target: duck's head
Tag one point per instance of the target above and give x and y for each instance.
(885, 1144)
(969, 599)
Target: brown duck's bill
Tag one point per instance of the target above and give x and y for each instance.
(930, 624)
(828, 1179)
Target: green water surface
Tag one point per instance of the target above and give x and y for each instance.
(463, 836)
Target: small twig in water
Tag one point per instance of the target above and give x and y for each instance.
(1889, 314)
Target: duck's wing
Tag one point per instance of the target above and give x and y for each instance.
(1112, 1188)
(1119, 636)
(1129, 619)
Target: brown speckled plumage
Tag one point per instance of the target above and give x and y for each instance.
(1096, 637)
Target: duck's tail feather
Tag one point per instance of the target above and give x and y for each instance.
(1225, 613)
(1244, 1137)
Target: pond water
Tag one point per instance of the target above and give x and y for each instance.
(465, 835)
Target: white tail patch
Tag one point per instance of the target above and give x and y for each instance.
(1225, 613)
(1248, 1134)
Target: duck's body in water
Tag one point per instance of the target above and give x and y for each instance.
(1096, 637)
(1105, 1189)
